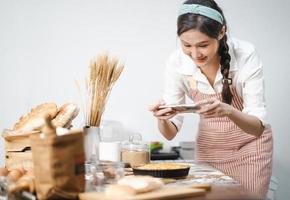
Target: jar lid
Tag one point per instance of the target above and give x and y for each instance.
(135, 143)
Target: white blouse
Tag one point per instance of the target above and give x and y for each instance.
(246, 72)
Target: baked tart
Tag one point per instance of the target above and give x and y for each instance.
(163, 170)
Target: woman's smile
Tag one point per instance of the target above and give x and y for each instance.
(200, 60)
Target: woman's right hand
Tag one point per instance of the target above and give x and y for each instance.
(163, 114)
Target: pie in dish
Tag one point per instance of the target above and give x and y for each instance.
(163, 170)
(163, 166)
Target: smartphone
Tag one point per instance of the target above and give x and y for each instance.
(182, 108)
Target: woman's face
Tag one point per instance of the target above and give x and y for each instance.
(202, 49)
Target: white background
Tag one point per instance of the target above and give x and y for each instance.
(46, 45)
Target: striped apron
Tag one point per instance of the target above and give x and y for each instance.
(222, 144)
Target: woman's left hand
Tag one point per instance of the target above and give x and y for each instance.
(214, 108)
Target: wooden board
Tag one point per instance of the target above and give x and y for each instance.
(164, 193)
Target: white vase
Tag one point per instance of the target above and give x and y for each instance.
(91, 142)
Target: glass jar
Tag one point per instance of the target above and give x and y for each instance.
(135, 152)
(100, 174)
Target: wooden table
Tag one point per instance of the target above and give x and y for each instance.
(225, 193)
(223, 187)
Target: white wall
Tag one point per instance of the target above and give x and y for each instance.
(46, 45)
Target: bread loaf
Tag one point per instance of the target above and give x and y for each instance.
(119, 191)
(65, 115)
(26, 183)
(141, 183)
(35, 119)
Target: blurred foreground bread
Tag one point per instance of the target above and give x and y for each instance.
(65, 115)
(132, 185)
(118, 191)
(34, 120)
(141, 184)
(19, 179)
(24, 183)
(3, 171)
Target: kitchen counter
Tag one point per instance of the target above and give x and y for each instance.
(223, 187)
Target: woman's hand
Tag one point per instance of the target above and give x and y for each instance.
(163, 114)
(214, 108)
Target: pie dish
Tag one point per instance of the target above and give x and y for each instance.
(163, 170)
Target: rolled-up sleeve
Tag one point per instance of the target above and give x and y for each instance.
(173, 90)
(253, 88)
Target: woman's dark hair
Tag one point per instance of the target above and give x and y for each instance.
(212, 29)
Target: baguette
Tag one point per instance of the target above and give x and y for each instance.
(35, 119)
(66, 114)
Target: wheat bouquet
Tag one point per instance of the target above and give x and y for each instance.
(104, 71)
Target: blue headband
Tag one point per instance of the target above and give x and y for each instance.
(201, 10)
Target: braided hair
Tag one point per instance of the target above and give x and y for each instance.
(212, 29)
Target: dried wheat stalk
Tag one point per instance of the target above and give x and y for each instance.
(104, 71)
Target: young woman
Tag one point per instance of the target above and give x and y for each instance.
(225, 76)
